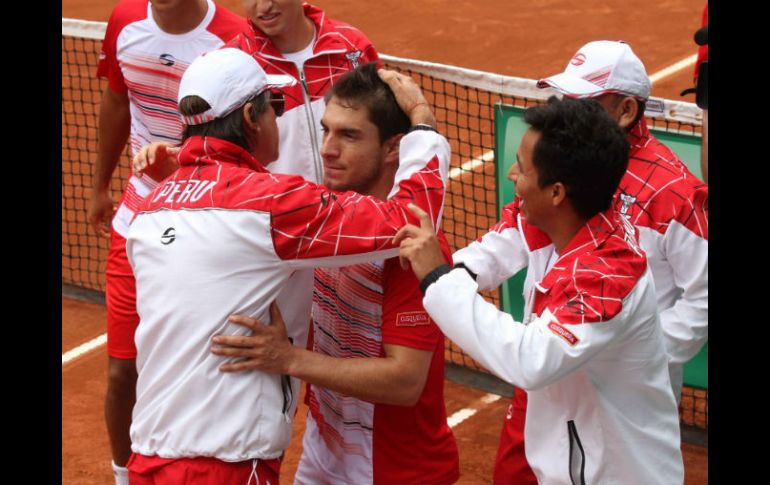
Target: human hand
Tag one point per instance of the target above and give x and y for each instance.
(419, 245)
(101, 208)
(267, 348)
(409, 97)
(156, 160)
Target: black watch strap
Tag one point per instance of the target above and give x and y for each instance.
(422, 126)
(433, 276)
(462, 265)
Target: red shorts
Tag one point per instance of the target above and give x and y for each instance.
(153, 470)
(120, 294)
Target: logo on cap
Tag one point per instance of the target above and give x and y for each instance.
(578, 60)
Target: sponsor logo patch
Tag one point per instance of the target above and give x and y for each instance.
(562, 332)
(412, 319)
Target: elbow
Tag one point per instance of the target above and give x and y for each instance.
(408, 394)
(530, 379)
(411, 396)
(406, 399)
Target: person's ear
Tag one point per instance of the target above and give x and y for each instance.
(391, 149)
(627, 111)
(558, 194)
(249, 120)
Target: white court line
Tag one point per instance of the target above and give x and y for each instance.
(465, 413)
(676, 67)
(84, 348)
(472, 164)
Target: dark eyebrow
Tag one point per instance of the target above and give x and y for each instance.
(350, 131)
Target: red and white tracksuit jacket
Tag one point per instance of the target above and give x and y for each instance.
(338, 48)
(598, 406)
(222, 236)
(668, 206)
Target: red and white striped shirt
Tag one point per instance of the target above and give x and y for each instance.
(140, 59)
(356, 310)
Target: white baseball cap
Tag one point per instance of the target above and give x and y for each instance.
(225, 78)
(600, 67)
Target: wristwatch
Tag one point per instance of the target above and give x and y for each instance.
(434, 275)
(422, 126)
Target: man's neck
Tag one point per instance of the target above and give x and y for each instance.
(562, 232)
(182, 19)
(294, 40)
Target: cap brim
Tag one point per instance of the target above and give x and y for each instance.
(571, 85)
(280, 81)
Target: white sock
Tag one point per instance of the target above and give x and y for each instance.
(121, 474)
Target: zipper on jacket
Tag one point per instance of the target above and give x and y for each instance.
(311, 124)
(287, 393)
(577, 456)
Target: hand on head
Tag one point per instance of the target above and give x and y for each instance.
(409, 97)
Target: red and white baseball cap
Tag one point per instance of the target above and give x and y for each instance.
(226, 78)
(601, 67)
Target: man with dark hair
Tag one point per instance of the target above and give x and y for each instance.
(592, 401)
(376, 369)
(659, 195)
(223, 236)
(297, 39)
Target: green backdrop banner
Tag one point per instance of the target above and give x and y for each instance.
(509, 128)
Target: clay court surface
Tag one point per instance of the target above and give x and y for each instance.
(525, 39)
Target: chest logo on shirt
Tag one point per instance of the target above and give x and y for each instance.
(412, 319)
(630, 231)
(167, 59)
(627, 202)
(168, 236)
(353, 57)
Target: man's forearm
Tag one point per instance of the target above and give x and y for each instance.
(114, 127)
(374, 379)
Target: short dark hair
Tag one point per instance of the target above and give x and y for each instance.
(363, 87)
(582, 147)
(229, 127)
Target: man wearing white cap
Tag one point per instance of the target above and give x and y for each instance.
(222, 236)
(659, 195)
(147, 45)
